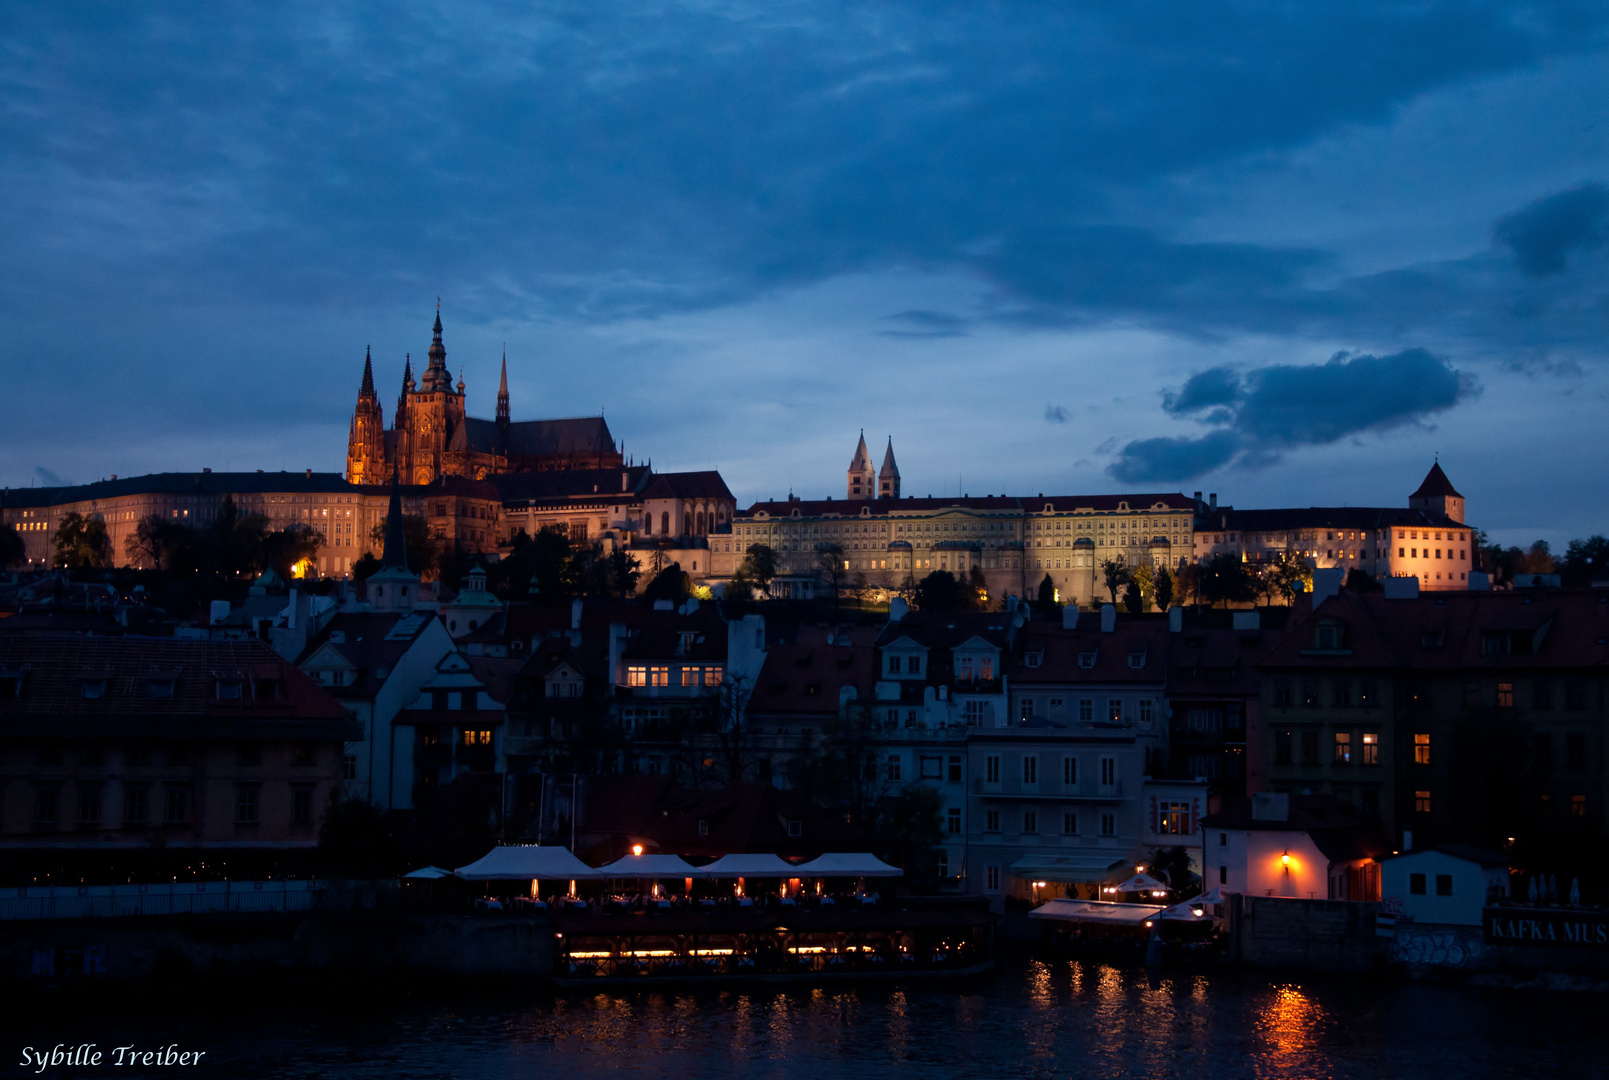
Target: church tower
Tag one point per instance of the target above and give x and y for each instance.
(1436, 495)
(862, 477)
(502, 395)
(365, 444)
(435, 413)
(888, 475)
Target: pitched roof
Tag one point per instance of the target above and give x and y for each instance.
(371, 643)
(1340, 830)
(1453, 631)
(806, 679)
(1086, 655)
(55, 668)
(535, 438)
(688, 485)
(1435, 484)
(1324, 517)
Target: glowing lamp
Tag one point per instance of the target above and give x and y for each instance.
(636, 849)
(1286, 861)
(1198, 912)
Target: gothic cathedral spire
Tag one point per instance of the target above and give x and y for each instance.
(888, 475)
(365, 444)
(502, 393)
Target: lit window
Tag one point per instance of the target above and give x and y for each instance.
(1421, 748)
(1421, 802)
(1505, 695)
(1343, 748)
(1371, 748)
(637, 675)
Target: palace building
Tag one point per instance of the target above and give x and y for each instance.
(432, 435)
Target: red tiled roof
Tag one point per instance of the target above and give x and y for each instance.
(1435, 484)
(56, 667)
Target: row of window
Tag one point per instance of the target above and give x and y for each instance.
(304, 755)
(1030, 822)
(173, 801)
(660, 675)
(1030, 770)
(1114, 712)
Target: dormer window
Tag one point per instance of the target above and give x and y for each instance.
(266, 689)
(1432, 639)
(1327, 637)
(1086, 660)
(10, 685)
(795, 829)
(893, 665)
(1033, 659)
(229, 689)
(703, 828)
(160, 686)
(94, 688)
(1136, 660)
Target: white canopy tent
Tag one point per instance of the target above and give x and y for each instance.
(529, 862)
(1185, 911)
(651, 866)
(1143, 883)
(1096, 911)
(846, 865)
(750, 865)
(427, 873)
(1065, 869)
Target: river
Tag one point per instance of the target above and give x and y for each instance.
(1030, 1018)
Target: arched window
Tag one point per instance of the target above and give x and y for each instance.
(687, 523)
(647, 524)
(701, 523)
(664, 523)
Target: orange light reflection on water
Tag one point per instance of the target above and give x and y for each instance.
(1286, 1030)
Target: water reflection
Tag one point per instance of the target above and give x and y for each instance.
(1031, 1019)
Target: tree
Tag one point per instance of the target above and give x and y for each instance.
(977, 589)
(81, 542)
(1114, 575)
(622, 573)
(12, 549)
(1172, 865)
(939, 591)
(1164, 589)
(669, 584)
(761, 566)
(1359, 580)
(739, 588)
(1224, 580)
(147, 543)
(1132, 600)
(291, 547)
(909, 830)
(1584, 561)
(1143, 578)
(830, 562)
(1188, 582)
(237, 541)
(861, 588)
(1045, 597)
(356, 841)
(1290, 575)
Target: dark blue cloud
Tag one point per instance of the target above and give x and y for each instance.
(1056, 414)
(1543, 233)
(1282, 407)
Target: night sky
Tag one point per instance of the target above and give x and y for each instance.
(1287, 253)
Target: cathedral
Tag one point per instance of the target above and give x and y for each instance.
(431, 436)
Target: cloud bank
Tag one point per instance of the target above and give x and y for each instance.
(1267, 412)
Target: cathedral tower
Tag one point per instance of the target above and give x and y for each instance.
(502, 394)
(862, 477)
(365, 444)
(435, 413)
(888, 475)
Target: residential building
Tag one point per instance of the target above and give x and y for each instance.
(136, 743)
(1309, 847)
(1451, 716)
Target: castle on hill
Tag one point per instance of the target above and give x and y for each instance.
(432, 436)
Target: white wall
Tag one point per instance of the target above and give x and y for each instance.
(1470, 882)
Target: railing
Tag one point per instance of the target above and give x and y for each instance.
(171, 898)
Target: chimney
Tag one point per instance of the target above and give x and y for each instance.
(220, 611)
(1175, 619)
(623, 481)
(1108, 618)
(897, 607)
(1400, 588)
(310, 474)
(1198, 501)
(205, 469)
(1270, 806)
(575, 614)
(1069, 617)
(1214, 498)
